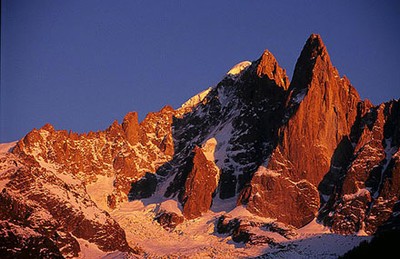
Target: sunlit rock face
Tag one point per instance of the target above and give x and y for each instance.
(61, 184)
(321, 108)
(199, 186)
(286, 152)
(50, 211)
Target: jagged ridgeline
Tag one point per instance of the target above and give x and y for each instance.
(290, 151)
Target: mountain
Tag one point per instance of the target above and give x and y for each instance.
(255, 160)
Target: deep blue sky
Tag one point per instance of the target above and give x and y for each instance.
(82, 64)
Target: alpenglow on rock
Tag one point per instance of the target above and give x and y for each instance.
(291, 152)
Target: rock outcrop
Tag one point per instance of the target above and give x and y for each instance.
(366, 187)
(275, 196)
(200, 186)
(321, 108)
(52, 179)
(251, 232)
(269, 67)
(169, 220)
(124, 152)
(54, 210)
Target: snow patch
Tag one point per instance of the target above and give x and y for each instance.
(170, 206)
(313, 228)
(193, 238)
(222, 136)
(100, 189)
(316, 246)
(239, 68)
(223, 205)
(300, 96)
(198, 239)
(90, 211)
(389, 152)
(208, 149)
(6, 147)
(89, 250)
(69, 179)
(360, 192)
(242, 212)
(265, 171)
(195, 100)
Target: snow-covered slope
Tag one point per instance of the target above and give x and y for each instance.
(199, 238)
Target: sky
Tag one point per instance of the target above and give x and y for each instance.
(80, 65)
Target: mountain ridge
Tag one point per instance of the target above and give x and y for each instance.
(292, 151)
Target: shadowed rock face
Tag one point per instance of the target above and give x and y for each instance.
(242, 114)
(169, 220)
(143, 188)
(23, 242)
(365, 189)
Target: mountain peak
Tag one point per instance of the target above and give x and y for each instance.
(316, 38)
(269, 67)
(314, 47)
(313, 56)
(48, 127)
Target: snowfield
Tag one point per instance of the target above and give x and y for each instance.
(198, 238)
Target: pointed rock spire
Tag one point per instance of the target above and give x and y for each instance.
(268, 66)
(314, 47)
(322, 107)
(199, 186)
(313, 58)
(130, 125)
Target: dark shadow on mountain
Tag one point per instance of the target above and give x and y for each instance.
(143, 188)
(391, 133)
(330, 188)
(324, 245)
(382, 243)
(254, 107)
(391, 129)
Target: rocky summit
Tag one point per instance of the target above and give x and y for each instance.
(253, 166)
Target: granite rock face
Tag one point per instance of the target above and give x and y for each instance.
(61, 184)
(321, 109)
(365, 188)
(52, 209)
(287, 151)
(200, 186)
